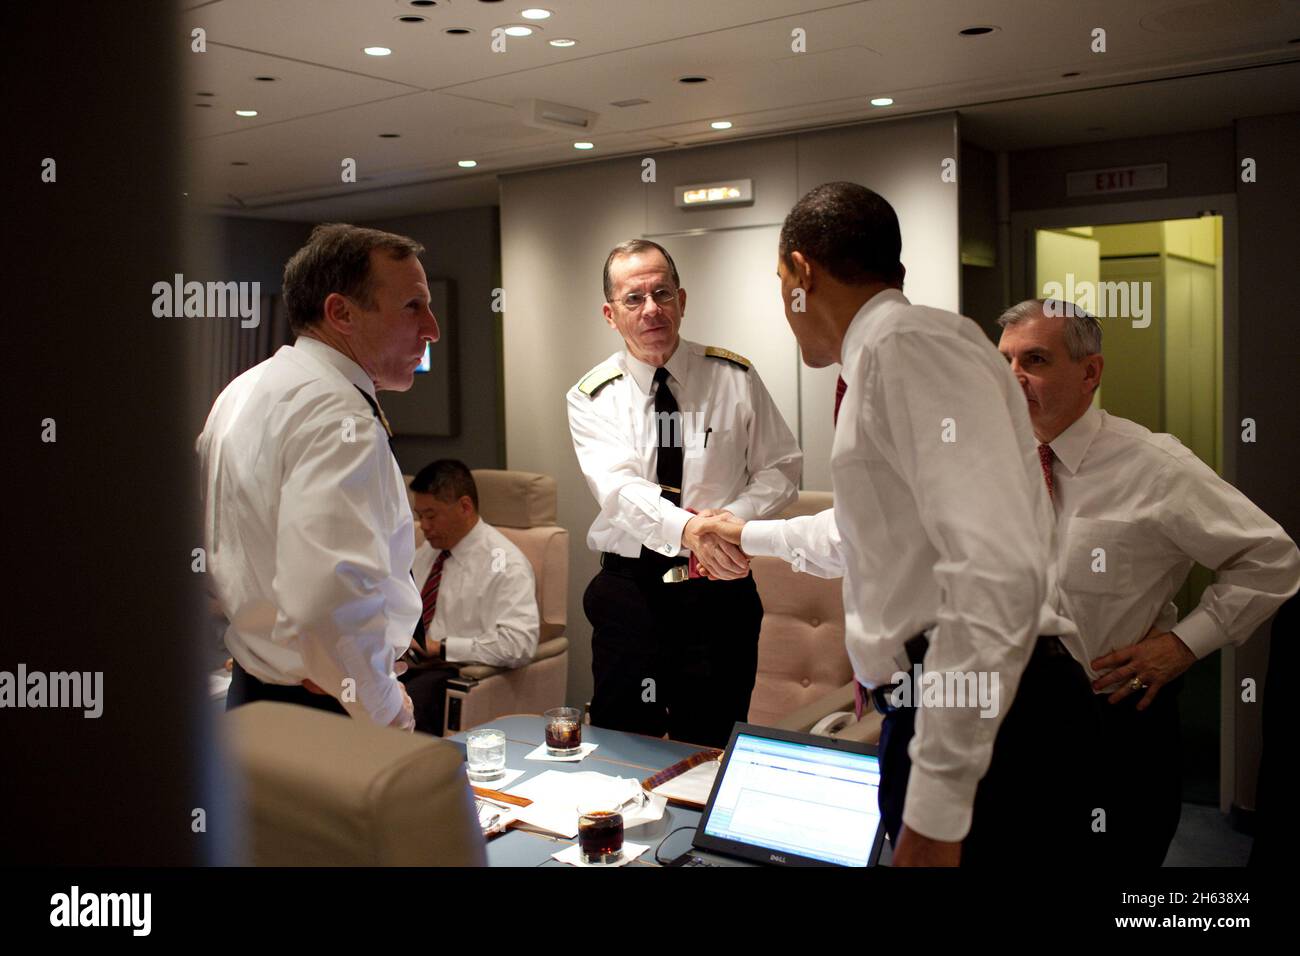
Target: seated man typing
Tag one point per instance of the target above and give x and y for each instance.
(478, 591)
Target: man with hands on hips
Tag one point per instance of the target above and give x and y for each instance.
(1134, 511)
(662, 429)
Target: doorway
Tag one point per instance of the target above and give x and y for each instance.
(1157, 287)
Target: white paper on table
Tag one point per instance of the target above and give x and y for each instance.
(541, 754)
(693, 786)
(573, 855)
(556, 795)
(500, 783)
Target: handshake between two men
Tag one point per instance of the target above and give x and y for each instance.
(713, 536)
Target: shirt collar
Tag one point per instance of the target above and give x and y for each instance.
(328, 355)
(644, 374)
(857, 329)
(470, 542)
(1072, 444)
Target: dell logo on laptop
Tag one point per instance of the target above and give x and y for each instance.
(776, 857)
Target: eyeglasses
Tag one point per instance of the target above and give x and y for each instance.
(633, 301)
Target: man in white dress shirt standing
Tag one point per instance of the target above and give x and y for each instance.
(664, 428)
(307, 525)
(942, 531)
(1134, 511)
(477, 589)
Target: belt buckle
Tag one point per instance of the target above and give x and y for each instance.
(677, 573)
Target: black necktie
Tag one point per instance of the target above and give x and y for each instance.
(379, 414)
(668, 424)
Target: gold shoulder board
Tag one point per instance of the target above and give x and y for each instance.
(598, 379)
(714, 352)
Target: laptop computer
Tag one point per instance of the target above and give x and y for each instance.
(783, 798)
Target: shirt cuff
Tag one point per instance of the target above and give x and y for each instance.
(763, 539)
(670, 529)
(1201, 633)
(938, 807)
(458, 648)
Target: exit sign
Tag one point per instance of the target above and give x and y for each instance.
(1118, 179)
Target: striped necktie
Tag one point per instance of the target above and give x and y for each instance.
(429, 593)
(841, 387)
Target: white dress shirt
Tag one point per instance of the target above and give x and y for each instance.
(487, 599)
(947, 537)
(738, 453)
(1135, 510)
(308, 528)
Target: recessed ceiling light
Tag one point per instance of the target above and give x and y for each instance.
(376, 51)
(458, 31)
(535, 13)
(204, 93)
(563, 41)
(204, 105)
(518, 30)
(584, 145)
(721, 124)
(266, 79)
(882, 101)
(467, 163)
(1066, 76)
(412, 18)
(978, 31)
(238, 162)
(245, 112)
(390, 135)
(424, 3)
(692, 79)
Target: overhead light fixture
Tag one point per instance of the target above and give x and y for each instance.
(692, 79)
(584, 145)
(882, 101)
(721, 124)
(467, 163)
(978, 31)
(535, 13)
(518, 30)
(563, 41)
(245, 112)
(376, 51)
(727, 193)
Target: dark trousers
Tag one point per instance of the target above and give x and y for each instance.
(1142, 776)
(1035, 804)
(677, 659)
(245, 689)
(427, 688)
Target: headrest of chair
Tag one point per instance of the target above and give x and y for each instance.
(808, 503)
(515, 499)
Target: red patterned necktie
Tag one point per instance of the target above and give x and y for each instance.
(430, 590)
(841, 387)
(1045, 459)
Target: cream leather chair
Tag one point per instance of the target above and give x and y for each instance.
(321, 789)
(521, 505)
(804, 677)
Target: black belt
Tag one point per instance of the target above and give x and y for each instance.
(648, 565)
(1048, 645)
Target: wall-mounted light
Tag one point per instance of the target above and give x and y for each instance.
(730, 192)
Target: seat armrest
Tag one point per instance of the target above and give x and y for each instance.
(552, 648)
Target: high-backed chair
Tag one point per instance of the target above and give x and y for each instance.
(521, 505)
(804, 675)
(321, 789)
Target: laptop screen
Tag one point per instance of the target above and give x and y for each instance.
(800, 798)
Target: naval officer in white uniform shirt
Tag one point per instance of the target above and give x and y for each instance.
(1134, 511)
(664, 428)
(942, 530)
(307, 524)
(477, 588)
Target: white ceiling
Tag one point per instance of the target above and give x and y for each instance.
(1169, 65)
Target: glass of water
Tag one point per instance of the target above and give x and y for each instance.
(485, 754)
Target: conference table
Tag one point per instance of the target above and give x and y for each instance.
(618, 754)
